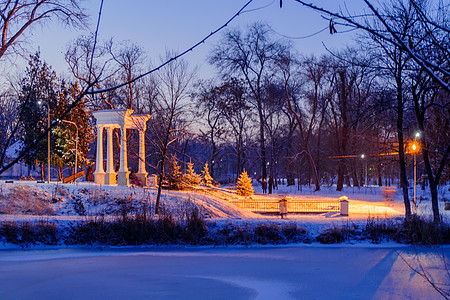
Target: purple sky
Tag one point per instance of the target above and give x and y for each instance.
(179, 24)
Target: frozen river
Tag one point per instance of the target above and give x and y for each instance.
(313, 272)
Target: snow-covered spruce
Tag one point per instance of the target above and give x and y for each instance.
(244, 185)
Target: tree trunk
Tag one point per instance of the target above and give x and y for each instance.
(433, 180)
(401, 151)
(60, 175)
(355, 178)
(305, 143)
(42, 171)
(341, 173)
(262, 143)
(160, 181)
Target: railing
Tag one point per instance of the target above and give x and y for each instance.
(293, 206)
(74, 176)
(258, 205)
(313, 206)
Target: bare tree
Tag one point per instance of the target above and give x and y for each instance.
(350, 108)
(208, 104)
(250, 56)
(92, 82)
(167, 123)
(305, 121)
(88, 66)
(129, 58)
(433, 117)
(237, 112)
(382, 24)
(274, 101)
(396, 61)
(17, 16)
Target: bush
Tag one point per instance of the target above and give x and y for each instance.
(26, 234)
(335, 235)
(195, 229)
(78, 206)
(235, 234)
(413, 230)
(269, 234)
(417, 230)
(295, 233)
(378, 230)
(232, 234)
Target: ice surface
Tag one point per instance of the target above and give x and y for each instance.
(222, 273)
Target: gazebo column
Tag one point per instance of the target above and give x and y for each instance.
(141, 175)
(99, 172)
(123, 174)
(110, 177)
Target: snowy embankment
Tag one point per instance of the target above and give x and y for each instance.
(306, 270)
(63, 203)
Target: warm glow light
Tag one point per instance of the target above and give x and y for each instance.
(362, 155)
(414, 147)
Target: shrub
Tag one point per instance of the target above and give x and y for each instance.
(26, 234)
(335, 235)
(195, 229)
(233, 234)
(378, 230)
(269, 234)
(295, 233)
(417, 230)
(78, 206)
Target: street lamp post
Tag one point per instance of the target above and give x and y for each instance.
(414, 147)
(76, 144)
(48, 140)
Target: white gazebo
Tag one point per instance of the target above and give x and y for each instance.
(122, 119)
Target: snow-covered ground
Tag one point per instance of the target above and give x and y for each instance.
(361, 271)
(364, 203)
(289, 272)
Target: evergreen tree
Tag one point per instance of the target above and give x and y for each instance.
(191, 177)
(79, 116)
(37, 95)
(59, 157)
(244, 185)
(207, 178)
(175, 178)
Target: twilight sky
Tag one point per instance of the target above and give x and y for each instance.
(179, 24)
